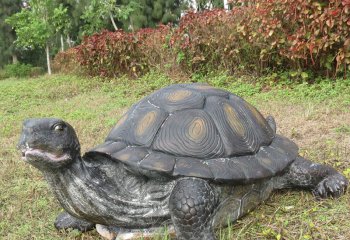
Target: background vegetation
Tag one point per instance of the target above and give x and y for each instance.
(307, 38)
(289, 58)
(61, 24)
(299, 36)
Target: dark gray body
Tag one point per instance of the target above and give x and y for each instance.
(136, 202)
(188, 155)
(110, 195)
(139, 202)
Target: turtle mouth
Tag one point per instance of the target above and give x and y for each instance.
(31, 153)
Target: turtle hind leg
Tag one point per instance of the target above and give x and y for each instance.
(192, 204)
(65, 221)
(323, 180)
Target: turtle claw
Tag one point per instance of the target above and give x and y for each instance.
(332, 186)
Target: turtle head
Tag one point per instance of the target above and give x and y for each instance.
(48, 143)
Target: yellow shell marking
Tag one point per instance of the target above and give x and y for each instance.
(124, 157)
(256, 114)
(197, 130)
(233, 120)
(267, 161)
(121, 121)
(145, 123)
(203, 87)
(179, 95)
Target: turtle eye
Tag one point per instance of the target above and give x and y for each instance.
(58, 128)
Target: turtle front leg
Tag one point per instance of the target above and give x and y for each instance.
(192, 204)
(323, 180)
(65, 221)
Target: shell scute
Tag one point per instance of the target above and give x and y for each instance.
(224, 169)
(267, 158)
(109, 147)
(192, 167)
(175, 98)
(189, 133)
(264, 131)
(131, 155)
(139, 125)
(158, 161)
(238, 134)
(207, 90)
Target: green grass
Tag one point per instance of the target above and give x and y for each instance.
(317, 117)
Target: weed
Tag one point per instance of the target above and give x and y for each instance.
(343, 129)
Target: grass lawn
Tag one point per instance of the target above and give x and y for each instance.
(316, 117)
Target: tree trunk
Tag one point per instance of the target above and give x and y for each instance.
(226, 4)
(62, 44)
(194, 5)
(114, 25)
(14, 58)
(48, 59)
(69, 41)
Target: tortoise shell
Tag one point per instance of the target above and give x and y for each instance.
(200, 131)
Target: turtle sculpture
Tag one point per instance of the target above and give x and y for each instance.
(188, 155)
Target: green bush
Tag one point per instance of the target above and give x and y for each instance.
(20, 70)
(3, 74)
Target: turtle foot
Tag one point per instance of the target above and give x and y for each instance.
(115, 233)
(192, 204)
(332, 186)
(107, 232)
(65, 221)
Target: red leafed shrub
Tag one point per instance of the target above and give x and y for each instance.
(159, 54)
(265, 34)
(215, 39)
(255, 36)
(111, 54)
(66, 62)
(154, 45)
(308, 34)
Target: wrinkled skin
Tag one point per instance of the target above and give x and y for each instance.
(99, 190)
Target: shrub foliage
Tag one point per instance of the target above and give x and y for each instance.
(254, 37)
(111, 54)
(66, 62)
(20, 70)
(305, 34)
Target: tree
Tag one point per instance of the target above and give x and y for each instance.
(97, 13)
(35, 25)
(7, 35)
(200, 5)
(151, 13)
(75, 10)
(61, 22)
